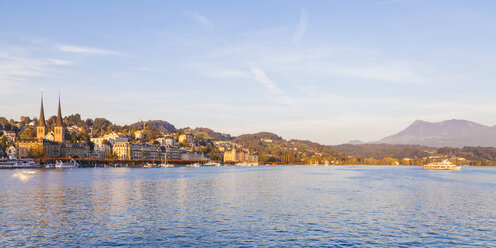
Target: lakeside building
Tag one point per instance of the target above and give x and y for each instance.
(186, 138)
(239, 155)
(188, 155)
(150, 151)
(173, 153)
(38, 147)
(101, 151)
(111, 137)
(53, 144)
(127, 150)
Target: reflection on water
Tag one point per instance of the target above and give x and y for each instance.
(264, 206)
(23, 175)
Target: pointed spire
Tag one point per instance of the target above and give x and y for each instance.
(41, 120)
(59, 122)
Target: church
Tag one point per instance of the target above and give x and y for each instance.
(41, 129)
(51, 144)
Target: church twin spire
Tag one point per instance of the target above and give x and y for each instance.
(41, 127)
(59, 134)
(59, 122)
(41, 120)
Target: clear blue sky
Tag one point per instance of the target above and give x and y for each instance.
(327, 71)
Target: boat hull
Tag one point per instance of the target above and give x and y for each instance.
(443, 168)
(18, 164)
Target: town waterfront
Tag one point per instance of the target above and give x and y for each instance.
(248, 206)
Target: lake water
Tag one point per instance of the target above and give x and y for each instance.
(248, 206)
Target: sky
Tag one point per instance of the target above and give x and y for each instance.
(326, 71)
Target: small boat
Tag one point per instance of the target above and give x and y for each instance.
(66, 165)
(50, 165)
(165, 165)
(244, 164)
(148, 165)
(210, 164)
(18, 164)
(443, 165)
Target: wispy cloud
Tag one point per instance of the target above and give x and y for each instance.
(257, 73)
(18, 67)
(405, 72)
(88, 50)
(202, 20)
(60, 62)
(260, 76)
(300, 28)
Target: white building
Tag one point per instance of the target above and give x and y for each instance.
(167, 141)
(187, 155)
(101, 151)
(111, 137)
(173, 153)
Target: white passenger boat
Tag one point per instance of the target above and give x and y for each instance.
(444, 165)
(166, 165)
(17, 164)
(64, 165)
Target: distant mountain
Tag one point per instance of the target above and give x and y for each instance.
(452, 133)
(159, 124)
(355, 142)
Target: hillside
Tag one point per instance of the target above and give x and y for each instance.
(158, 124)
(209, 134)
(272, 148)
(451, 133)
(381, 151)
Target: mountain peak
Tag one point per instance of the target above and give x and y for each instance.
(453, 133)
(417, 122)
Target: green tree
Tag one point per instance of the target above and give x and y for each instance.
(28, 133)
(3, 143)
(112, 155)
(36, 152)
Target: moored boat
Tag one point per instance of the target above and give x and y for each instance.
(18, 164)
(443, 165)
(210, 164)
(66, 165)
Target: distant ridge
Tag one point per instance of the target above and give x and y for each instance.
(452, 133)
(355, 142)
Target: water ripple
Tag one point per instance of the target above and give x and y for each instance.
(244, 207)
